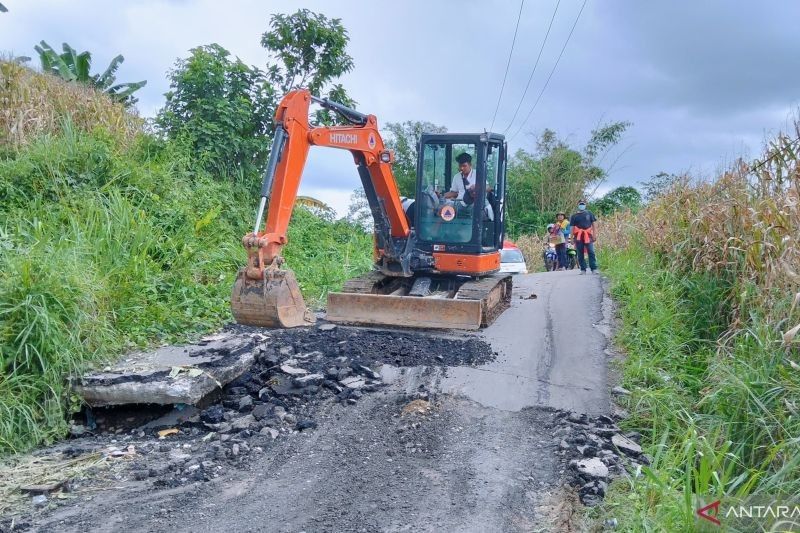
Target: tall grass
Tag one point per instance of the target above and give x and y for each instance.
(707, 280)
(32, 104)
(105, 246)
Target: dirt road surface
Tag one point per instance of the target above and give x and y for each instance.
(479, 456)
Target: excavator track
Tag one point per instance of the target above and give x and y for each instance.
(376, 299)
(494, 293)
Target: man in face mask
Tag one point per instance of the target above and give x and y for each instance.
(584, 230)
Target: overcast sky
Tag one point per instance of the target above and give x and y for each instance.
(702, 81)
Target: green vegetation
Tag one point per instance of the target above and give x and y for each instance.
(619, 199)
(554, 176)
(210, 85)
(307, 49)
(72, 66)
(705, 278)
(105, 248)
(403, 138)
(112, 237)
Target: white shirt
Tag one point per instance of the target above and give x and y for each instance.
(457, 185)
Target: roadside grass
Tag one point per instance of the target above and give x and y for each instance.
(105, 247)
(719, 420)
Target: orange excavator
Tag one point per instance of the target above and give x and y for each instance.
(436, 257)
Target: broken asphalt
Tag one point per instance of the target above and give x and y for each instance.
(353, 429)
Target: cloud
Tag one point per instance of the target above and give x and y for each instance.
(702, 82)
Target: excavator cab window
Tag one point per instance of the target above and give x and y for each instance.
(472, 222)
(446, 220)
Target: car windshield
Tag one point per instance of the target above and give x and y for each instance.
(511, 255)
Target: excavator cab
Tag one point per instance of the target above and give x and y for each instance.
(471, 223)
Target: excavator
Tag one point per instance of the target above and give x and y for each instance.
(436, 258)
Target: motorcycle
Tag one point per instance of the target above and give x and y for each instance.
(550, 257)
(572, 256)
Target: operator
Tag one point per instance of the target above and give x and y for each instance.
(463, 184)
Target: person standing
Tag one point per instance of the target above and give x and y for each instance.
(556, 237)
(584, 230)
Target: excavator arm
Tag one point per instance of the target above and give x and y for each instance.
(264, 293)
(293, 139)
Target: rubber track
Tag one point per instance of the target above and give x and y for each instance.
(480, 289)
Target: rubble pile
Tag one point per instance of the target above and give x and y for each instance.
(597, 451)
(293, 371)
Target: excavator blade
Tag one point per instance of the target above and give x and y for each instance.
(403, 311)
(272, 302)
(475, 304)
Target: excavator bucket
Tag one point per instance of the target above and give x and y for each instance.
(272, 302)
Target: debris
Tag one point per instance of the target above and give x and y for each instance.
(261, 411)
(245, 422)
(272, 432)
(113, 451)
(578, 418)
(167, 432)
(620, 391)
(77, 430)
(305, 424)
(40, 500)
(593, 468)
(626, 445)
(245, 404)
(367, 371)
(353, 382)
(44, 489)
(293, 371)
(310, 379)
(213, 415)
(419, 407)
(286, 350)
(326, 327)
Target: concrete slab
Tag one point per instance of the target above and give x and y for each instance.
(171, 374)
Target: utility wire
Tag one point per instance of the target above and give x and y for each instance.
(541, 49)
(546, 83)
(508, 64)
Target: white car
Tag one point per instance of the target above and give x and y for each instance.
(512, 261)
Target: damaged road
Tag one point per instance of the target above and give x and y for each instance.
(351, 429)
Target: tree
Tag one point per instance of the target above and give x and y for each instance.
(621, 198)
(308, 50)
(222, 109)
(659, 184)
(358, 212)
(404, 140)
(555, 176)
(74, 67)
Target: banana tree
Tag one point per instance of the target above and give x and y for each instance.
(74, 67)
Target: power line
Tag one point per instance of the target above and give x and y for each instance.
(508, 64)
(541, 49)
(546, 83)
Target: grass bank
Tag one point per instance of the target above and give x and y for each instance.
(707, 291)
(112, 238)
(103, 248)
